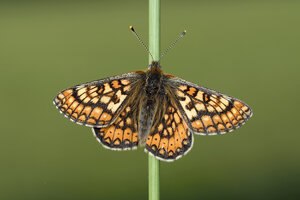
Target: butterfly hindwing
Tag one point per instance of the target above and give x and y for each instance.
(122, 134)
(170, 138)
(96, 103)
(207, 111)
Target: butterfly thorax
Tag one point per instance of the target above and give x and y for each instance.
(154, 82)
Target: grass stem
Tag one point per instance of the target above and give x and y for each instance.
(154, 47)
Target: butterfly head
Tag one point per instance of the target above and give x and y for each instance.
(154, 64)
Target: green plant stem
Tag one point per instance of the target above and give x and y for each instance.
(153, 167)
(154, 28)
(154, 47)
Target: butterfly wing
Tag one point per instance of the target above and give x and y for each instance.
(97, 103)
(170, 137)
(206, 111)
(122, 134)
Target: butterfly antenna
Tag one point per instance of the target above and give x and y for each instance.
(170, 47)
(137, 36)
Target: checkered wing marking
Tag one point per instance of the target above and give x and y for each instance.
(122, 134)
(209, 112)
(97, 103)
(171, 138)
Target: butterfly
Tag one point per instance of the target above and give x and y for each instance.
(152, 109)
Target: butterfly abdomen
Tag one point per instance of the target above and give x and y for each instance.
(146, 117)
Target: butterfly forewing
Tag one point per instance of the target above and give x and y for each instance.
(207, 111)
(97, 103)
(170, 138)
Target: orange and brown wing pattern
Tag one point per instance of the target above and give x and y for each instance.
(171, 138)
(207, 111)
(122, 134)
(97, 103)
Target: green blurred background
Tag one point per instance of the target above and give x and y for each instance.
(247, 49)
